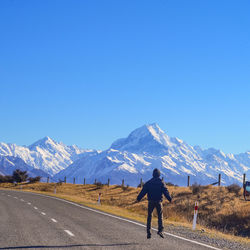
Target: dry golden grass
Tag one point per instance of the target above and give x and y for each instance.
(219, 209)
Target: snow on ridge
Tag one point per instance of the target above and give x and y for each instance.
(149, 147)
(45, 154)
(132, 158)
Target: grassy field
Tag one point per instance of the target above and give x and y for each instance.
(220, 209)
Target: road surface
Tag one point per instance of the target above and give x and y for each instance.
(33, 221)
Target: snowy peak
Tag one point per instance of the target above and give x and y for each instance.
(151, 130)
(149, 147)
(148, 138)
(43, 143)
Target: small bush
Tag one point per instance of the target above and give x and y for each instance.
(99, 185)
(60, 182)
(35, 179)
(182, 194)
(19, 176)
(45, 188)
(234, 188)
(196, 188)
(6, 179)
(171, 184)
(125, 188)
(141, 185)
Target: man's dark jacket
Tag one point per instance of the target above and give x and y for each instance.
(155, 188)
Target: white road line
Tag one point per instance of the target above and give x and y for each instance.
(69, 233)
(54, 220)
(29, 203)
(130, 221)
(15, 197)
(43, 213)
(22, 200)
(35, 207)
(8, 195)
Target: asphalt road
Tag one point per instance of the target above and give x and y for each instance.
(32, 221)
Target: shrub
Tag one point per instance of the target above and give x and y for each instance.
(234, 188)
(45, 188)
(35, 179)
(141, 185)
(6, 179)
(20, 176)
(125, 188)
(171, 184)
(196, 188)
(99, 185)
(60, 182)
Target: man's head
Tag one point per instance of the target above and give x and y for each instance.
(156, 173)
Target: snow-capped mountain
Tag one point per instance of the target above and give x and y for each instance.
(45, 154)
(130, 158)
(10, 163)
(149, 147)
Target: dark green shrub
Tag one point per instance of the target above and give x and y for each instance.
(6, 179)
(234, 188)
(196, 188)
(19, 176)
(171, 184)
(34, 179)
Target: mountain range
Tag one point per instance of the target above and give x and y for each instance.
(132, 158)
(47, 155)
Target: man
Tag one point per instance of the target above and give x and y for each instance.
(154, 188)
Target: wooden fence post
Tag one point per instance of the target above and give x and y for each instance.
(123, 183)
(108, 182)
(188, 184)
(95, 181)
(244, 179)
(84, 181)
(141, 183)
(219, 180)
(47, 179)
(74, 180)
(65, 179)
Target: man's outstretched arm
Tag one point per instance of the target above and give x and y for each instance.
(142, 193)
(166, 193)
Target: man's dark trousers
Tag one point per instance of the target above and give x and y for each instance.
(151, 206)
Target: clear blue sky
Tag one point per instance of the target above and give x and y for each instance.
(89, 72)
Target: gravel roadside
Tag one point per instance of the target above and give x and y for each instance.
(203, 237)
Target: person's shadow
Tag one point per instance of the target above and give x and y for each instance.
(69, 246)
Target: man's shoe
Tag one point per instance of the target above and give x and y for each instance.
(160, 234)
(148, 236)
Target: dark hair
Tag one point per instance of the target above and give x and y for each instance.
(156, 173)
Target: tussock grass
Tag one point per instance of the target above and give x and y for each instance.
(219, 209)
